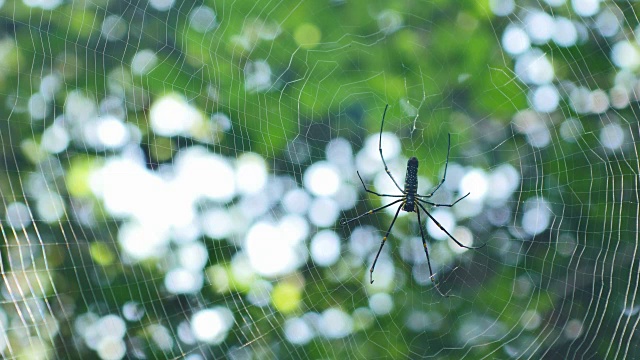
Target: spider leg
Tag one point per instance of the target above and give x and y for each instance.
(373, 192)
(426, 251)
(345, 221)
(386, 168)
(436, 204)
(446, 232)
(384, 239)
(446, 164)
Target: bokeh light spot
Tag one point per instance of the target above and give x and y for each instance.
(297, 331)
(171, 115)
(515, 40)
(446, 219)
(322, 179)
(211, 325)
(251, 173)
(307, 35)
(286, 297)
(325, 248)
(143, 61)
(202, 19)
(335, 323)
(612, 136)
(17, 215)
(586, 8)
(476, 183)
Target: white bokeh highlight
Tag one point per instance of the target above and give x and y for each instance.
(325, 248)
(322, 179)
(212, 325)
(171, 115)
(272, 251)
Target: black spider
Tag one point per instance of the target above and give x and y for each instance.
(410, 202)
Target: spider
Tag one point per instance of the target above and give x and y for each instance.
(409, 201)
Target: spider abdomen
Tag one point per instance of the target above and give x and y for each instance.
(411, 185)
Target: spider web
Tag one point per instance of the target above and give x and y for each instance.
(175, 173)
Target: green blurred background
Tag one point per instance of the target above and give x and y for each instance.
(174, 174)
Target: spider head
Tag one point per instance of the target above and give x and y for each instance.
(413, 162)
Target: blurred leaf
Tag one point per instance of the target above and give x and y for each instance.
(286, 297)
(78, 175)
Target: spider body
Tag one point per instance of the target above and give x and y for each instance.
(410, 201)
(411, 185)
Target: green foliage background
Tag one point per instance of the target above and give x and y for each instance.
(446, 56)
